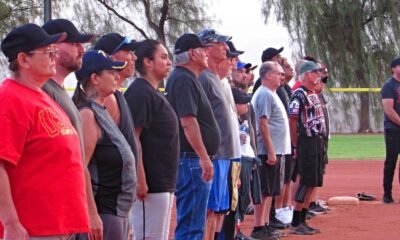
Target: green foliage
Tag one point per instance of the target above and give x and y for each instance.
(357, 147)
(356, 39)
(13, 13)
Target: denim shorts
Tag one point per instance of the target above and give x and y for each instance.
(192, 194)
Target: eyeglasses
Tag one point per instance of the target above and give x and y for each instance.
(124, 41)
(50, 53)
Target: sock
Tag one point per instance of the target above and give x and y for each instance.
(259, 228)
(303, 215)
(296, 218)
(216, 235)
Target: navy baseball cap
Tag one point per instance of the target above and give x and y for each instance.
(188, 41)
(113, 42)
(63, 25)
(269, 53)
(240, 97)
(210, 35)
(309, 66)
(233, 50)
(26, 38)
(96, 60)
(395, 62)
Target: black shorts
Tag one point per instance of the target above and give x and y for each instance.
(271, 176)
(289, 167)
(310, 160)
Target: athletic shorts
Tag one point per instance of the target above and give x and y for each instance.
(289, 167)
(310, 160)
(219, 194)
(271, 176)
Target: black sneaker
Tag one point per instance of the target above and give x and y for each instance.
(301, 230)
(275, 232)
(310, 215)
(263, 234)
(388, 199)
(317, 209)
(277, 224)
(316, 230)
(241, 236)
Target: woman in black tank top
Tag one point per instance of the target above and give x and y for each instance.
(109, 156)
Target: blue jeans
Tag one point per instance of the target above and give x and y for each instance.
(192, 194)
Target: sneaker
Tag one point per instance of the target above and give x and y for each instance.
(275, 232)
(241, 236)
(300, 230)
(263, 235)
(323, 204)
(310, 215)
(317, 209)
(284, 215)
(316, 230)
(275, 223)
(249, 210)
(388, 199)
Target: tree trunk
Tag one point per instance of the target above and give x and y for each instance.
(364, 119)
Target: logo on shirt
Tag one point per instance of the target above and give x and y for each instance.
(53, 124)
(294, 107)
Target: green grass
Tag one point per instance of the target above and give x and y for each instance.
(357, 147)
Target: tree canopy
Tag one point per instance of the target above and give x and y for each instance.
(356, 39)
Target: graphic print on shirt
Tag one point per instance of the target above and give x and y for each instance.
(50, 120)
(311, 113)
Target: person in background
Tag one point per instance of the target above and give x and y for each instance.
(199, 136)
(108, 155)
(156, 125)
(40, 154)
(70, 53)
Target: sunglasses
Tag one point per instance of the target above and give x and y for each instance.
(49, 53)
(124, 41)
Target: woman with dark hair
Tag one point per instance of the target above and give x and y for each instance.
(42, 185)
(110, 160)
(156, 126)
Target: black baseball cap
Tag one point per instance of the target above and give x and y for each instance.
(26, 38)
(395, 62)
(95, 61)
(188, 41)
(63, 25)
(233, 50)
(269, 53)
(210, 35)
(113, 42)
(240, 97)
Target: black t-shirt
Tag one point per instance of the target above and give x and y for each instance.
(159, 138)
(391, 90)
(187, 97)
(283, 96)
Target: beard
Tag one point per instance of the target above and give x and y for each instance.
(70, 63)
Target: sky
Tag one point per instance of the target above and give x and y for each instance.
(243, 21)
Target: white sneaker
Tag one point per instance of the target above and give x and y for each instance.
(284, 215)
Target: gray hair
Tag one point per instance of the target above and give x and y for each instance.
(267, 67)
(297, 68)
(182, 58)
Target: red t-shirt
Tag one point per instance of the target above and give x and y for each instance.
(44, 162)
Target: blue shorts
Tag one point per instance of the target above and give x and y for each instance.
(219, 194)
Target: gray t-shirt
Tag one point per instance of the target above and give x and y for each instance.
(214, 90)
(58, 93)
(267, 104)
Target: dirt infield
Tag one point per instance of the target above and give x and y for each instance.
(369, 220)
